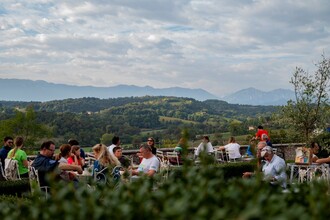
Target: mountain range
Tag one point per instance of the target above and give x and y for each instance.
(29, 90)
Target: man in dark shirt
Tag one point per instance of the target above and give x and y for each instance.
(45, 163)
(7, 146)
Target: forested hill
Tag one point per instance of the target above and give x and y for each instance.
(133, 118)
(159, 103)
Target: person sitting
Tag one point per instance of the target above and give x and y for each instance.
(149, 164)
(18, 154)
(45, 164)
(274, 168)
(178, 150)
(62, 157)
(315, 150)
(151, 144)
(75, 142)
(75, 157)
(103, 160)
(232, 148)
(124, 161)
(204, 146)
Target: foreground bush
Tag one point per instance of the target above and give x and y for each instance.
(197, 193)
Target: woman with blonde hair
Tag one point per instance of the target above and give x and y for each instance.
(103, 157)
(18, 154)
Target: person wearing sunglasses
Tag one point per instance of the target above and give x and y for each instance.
(7, 146)
(151, 144)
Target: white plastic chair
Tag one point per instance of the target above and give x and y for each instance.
(2, 172)
(11, 169)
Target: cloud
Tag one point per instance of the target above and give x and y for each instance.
(217, 45)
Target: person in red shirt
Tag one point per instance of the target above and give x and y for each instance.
(262, 135)
(75, 156)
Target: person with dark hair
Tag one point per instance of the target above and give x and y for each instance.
(115, 143)
(204, 146)
(262, 135)
(73, 142)
(124, 161)
(151, 144)
(315, 150)
(18, 154)
(45, 163)
(7, 146)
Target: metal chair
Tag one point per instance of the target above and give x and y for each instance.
(175, 156)
(3, 176)
(35, 182)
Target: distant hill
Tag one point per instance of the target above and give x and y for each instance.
(252, 96)
(28, 90)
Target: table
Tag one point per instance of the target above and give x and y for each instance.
(85, 176)
(307, 172)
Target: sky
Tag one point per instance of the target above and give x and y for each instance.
(221, 46)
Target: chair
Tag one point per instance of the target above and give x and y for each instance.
(35, 182)
(230, 155)
(160, 155)
(101, 176)
(218, 156)
(175, 156)
(2, 173)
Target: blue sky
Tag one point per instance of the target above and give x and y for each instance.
(217, 45)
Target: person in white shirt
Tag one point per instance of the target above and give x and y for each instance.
(232, 148)
(115, 143)
(149, 164)
(204, 146)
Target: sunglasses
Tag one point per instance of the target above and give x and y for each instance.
(150, 140)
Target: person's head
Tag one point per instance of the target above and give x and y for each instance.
(206, 139)
(116, 140)
(267, 153)
(73, 142)
(75, 150)
(19, 141)
(260, 127)
(150, 141)
(145, 151)
(8, 141)
(65, 150)
(18, 144)
(315, 147)
(260, 146)
(47, 148)
(118, 152)
(231, 140)
(103, 155)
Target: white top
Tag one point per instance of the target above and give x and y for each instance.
(233, 150)
(63, 160)
(201, 147)
(275, 168)
(149, 164)
(110, 148)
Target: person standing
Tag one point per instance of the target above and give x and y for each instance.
(115, 143)
(262, 135)
(18, 154)
(7, 146)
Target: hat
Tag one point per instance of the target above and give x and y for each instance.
(266, 149)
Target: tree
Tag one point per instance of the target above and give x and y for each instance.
(25, 124)
(309, 111)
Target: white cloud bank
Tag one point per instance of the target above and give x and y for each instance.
(217, 45)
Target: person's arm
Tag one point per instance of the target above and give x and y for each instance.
(280, 175)
(154, 166)
(221, 148)
(25, 163)
(323, 160)
(70, 167)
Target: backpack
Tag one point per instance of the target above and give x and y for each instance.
(11, 169)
